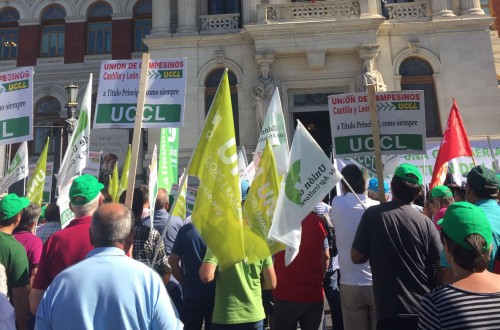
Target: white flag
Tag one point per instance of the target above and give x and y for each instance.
(273, 129)
(18, 168)
(309, 177)
(77, 154)
(242, 163)
(153, 185)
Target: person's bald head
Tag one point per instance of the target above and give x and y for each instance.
(112, 225)
(161, 199)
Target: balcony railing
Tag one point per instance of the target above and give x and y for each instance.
(220, 24)
(325, 10)
(417, 11)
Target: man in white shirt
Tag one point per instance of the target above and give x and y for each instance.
(358, 305)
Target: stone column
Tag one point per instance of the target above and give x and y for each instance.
(369, 8)
(249, 11)
(187, 17)
(440, 9)
(470, 7)
(161, 18)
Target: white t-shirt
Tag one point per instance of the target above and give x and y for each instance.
(346, 214)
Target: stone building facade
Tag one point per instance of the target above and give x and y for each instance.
(309, 49)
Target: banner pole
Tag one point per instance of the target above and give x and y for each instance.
(372, 101)
(137, 130)
(493, 156)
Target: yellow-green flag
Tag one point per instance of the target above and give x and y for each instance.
(113, 184)
(180, 206)
(259, 208)
(37, 179)
(217, 208)
(124, 178)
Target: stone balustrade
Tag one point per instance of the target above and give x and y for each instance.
(417, 11)
(220, 24)
(303, 11)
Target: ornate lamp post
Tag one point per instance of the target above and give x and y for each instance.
(72, 92)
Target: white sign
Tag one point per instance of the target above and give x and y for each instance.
(401, 118)
(94, 164)
(16, 106)
(119, 88)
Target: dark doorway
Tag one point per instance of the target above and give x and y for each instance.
(318, 125)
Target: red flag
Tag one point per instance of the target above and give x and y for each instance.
(454, 144)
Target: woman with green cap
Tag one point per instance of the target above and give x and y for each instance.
(472, 300)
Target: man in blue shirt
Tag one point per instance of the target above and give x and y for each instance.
(108, 290)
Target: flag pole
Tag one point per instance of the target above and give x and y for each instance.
(137, 130)
(493, 156)
(376, 141)
(183, 180)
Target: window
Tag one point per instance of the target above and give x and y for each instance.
(142, 24)
(416, 74)
(224, 7)
(53, 31)
(46, 125)
(8, 33)
(485, 5)
(99, 28)
(211, 85)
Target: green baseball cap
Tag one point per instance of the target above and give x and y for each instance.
(462, 219)
(409, 173)
(85, 186)
(483, 179)
(441, 191)
(11, 205)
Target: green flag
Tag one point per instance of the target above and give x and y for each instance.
(168, 158)
(37, 179)
(124, 178)
(113, 183)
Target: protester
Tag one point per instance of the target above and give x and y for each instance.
(299, 294)
(160, 217)
(146, 239)
(186, 259)
(71, 244)
(13, 256)
(24, 235)
(145, 207)
(458, 192)
(441, 198)
(481, 189)
(373, 190)
(108, 290)
(403, 248)
(472, 300)
(7, 314)
(356, 291)
(53, 224)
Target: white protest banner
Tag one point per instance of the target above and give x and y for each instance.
(401, 117)
(16, 105)
(480, 148)
(119, 88)
(18, 168)
(94, 164)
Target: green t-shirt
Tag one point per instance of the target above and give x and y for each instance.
(238, 297)
(13, 257)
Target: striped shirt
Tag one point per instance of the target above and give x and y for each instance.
(448, 307)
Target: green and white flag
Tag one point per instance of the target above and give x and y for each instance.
(309, 177)
(77, 154)
(168, 158)
(37, 180)
(274, 131)
(18, 168)
(153, 185)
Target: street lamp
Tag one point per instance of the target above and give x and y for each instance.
(71, 104)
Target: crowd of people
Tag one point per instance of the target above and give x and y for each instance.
(380, 265)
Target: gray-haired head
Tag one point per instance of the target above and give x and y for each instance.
(112, 225)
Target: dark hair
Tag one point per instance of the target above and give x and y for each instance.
(145, 191)
(353, 175)
(487, 192)
(52, 213)
(9, 221)
(138, 203)
(475, 260)
(456, 189)
(107, 196)
(405, 191)
(29, 216)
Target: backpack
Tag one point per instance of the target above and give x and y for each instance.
(330, 234)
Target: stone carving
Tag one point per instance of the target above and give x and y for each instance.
(369, 75)
(263, 87)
